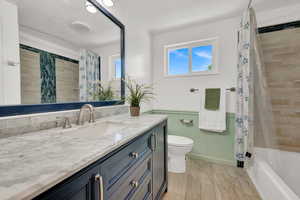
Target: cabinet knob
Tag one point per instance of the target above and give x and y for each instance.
(134, 155)
(134, 184)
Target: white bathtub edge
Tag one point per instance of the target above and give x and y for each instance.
(268, 184)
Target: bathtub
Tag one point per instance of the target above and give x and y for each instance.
(276, 174)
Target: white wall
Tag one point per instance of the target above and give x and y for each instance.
(278, 16)
(173, 93)
(10, 92)
(137, 56)
(138, 59)
(48, 43)
(107, 70)
(105, 52)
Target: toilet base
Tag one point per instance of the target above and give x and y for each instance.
(176, 164)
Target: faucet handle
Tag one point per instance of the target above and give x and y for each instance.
(67, 123)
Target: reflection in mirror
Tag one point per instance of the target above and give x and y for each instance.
(68, 53)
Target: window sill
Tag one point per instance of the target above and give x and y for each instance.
(191, 75)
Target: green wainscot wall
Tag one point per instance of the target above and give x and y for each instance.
(210, 146)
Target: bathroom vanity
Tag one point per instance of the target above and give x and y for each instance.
(115, 158)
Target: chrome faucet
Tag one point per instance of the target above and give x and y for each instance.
(81, 114)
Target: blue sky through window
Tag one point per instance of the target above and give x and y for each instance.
(202, 58)
(118, 68)
(179, 60)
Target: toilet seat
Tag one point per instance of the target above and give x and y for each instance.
(179, 141)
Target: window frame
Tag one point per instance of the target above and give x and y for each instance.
(190, 45)
(112, 69)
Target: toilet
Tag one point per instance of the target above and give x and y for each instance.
(178, 147)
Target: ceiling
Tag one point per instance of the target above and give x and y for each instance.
(54, 18)
(156, 15)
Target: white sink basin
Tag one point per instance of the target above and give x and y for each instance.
(108, 126)
(101, 127)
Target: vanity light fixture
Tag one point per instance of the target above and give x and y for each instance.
(89, 7)
(108, 3)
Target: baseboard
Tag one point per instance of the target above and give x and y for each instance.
(211, 159)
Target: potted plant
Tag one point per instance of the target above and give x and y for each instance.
(103, 93)
(138, 93)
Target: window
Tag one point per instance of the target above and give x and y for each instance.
(115, 67)
(193, 58)
(117, 64)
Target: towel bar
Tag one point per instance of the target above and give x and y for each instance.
(231, 89)
(187, 122)
(228, 89)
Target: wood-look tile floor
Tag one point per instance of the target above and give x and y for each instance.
(208, 181)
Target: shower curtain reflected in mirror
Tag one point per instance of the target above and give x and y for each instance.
(89, 73)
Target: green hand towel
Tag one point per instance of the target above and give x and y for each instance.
(212, 98)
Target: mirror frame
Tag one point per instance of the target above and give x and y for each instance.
(12, 110)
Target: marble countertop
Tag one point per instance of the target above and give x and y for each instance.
(33, 163)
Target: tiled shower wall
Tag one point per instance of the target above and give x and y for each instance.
(30, 77)
(67, 81)
(47, 77)
(11, 126)
(281, 51)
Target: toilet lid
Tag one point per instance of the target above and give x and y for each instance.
(179, 140)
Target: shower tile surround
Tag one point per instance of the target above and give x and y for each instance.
(30, 77)
(281, 55)
(67, 79)
(49, 64)
(22, 124)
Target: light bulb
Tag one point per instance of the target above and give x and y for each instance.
(89, 7)
(108, 3)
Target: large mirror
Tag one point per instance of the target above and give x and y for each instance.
(69, 52)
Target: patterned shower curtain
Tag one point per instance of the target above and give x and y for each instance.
(89, 73)
(245, 92)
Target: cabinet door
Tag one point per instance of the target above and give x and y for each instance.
(84, 186)
(159, 161)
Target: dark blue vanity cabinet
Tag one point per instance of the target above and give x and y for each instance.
(159, 157)
(135, 171)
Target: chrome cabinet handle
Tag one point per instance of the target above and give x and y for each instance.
(99, 179)
(134, 184)
(156, 141)
(134, 155)
(153, 146)
(151, 139)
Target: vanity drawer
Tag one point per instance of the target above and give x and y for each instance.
(145, 190)
(115, 167)
(134, 184)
